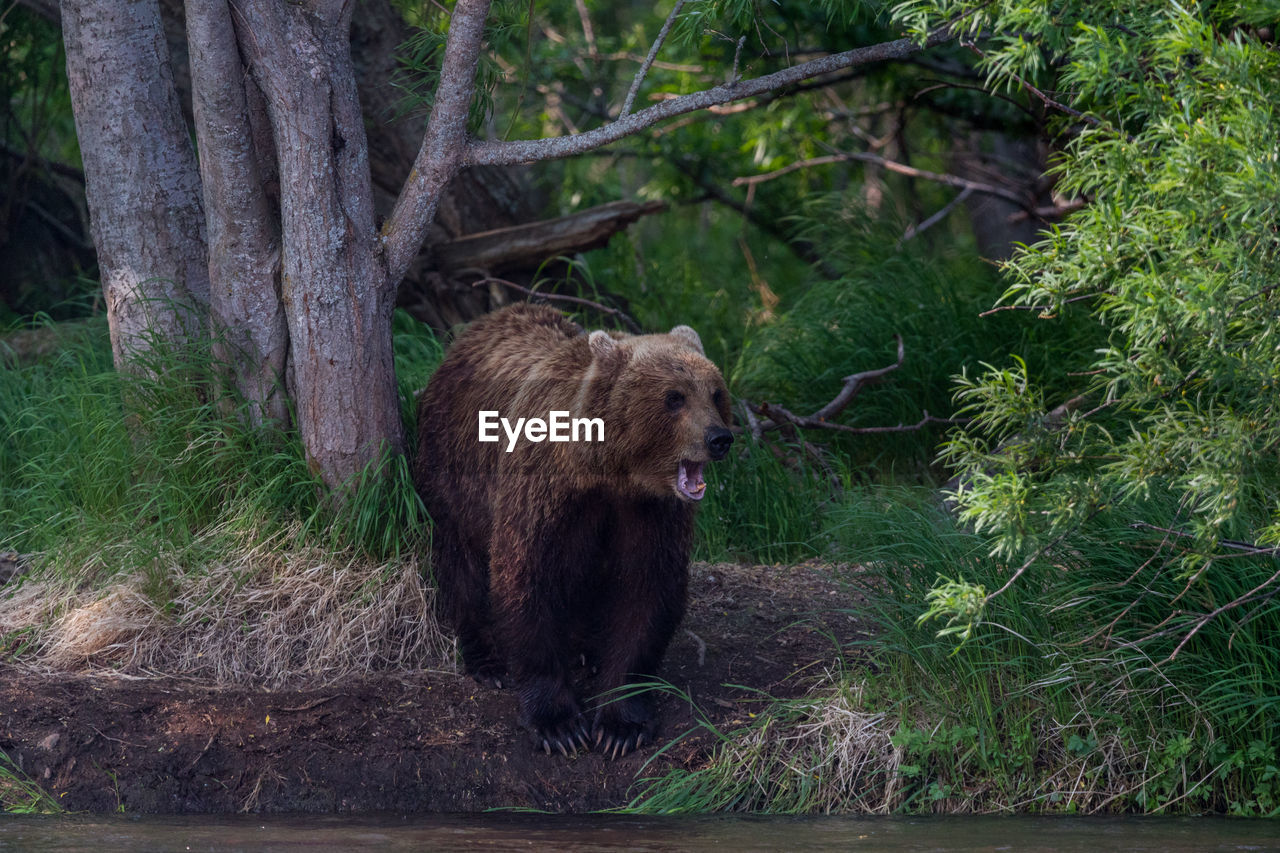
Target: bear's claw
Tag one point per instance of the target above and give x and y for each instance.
(622, 740)
(569, 739)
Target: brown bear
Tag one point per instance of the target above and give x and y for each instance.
(553, 541)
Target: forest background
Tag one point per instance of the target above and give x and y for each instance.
(1060, 497)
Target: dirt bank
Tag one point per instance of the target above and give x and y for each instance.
(414, 742)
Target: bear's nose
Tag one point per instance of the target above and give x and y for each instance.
(718, 441)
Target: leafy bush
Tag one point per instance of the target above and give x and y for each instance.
(1170, 135)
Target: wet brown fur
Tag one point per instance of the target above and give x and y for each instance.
(559, 548)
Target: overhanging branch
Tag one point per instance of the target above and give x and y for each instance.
(487, 153)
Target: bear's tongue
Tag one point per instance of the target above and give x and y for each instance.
(689, 480)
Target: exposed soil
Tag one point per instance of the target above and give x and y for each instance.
(410, 742)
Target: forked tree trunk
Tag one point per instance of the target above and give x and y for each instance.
(335, 291)
(142, 185)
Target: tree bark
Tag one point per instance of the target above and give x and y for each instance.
(142, 185)
(246, 314)
(334, 288)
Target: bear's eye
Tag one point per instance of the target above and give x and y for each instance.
(675, 401)
(717, 398)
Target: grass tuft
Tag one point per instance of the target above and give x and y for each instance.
(20, 795)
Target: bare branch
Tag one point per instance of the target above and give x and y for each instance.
(892, 166)
(737, 55)
(1037, 554)
(1043, 309)
(588, 31)
(821, 418)
(914, 230)
(1214, 614)
(648, 60)
(533, 150)
(777, 417)
(683, 68)
(781, 417)
(1230, 544)
(441, 154)
(1041, 96)
(856, 382)
(622, 316)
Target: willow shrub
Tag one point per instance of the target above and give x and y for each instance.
(1169, 132)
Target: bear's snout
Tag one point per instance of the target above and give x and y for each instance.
(718, 440)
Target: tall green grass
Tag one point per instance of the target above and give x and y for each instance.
(79, 472)
(766, 503)
(934, 301)
(1047, 707)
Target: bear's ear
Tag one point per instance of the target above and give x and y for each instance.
(689, 336)
(602, 345)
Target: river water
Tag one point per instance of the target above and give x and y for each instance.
(511, 831)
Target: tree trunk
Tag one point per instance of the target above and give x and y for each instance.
(142, 184)
(246, 313)
(337, 301)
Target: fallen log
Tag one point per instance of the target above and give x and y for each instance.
(528, 246)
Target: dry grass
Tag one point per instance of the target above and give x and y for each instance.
(266, 613)
(837, 753)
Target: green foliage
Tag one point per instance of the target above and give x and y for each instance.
(1041, 710)
(35, 103)
(20, 795)
(760, 508)
(79, 475)
(934, 301)
(1173, 261)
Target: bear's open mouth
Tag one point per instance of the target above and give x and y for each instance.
(689, 482)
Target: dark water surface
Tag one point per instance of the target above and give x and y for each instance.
(507, 831)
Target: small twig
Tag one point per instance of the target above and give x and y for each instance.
(626, 319)
(307, 707)
(1245, 301)
(915, 230)
(588, 32)
(1037, 554)
(702, 647)
(683, 68)
(778, 417)
(1233, 544)
(1049, 211)
(734, 77)
(1209, 617)
(983, 89)
(200, 755)
(1043, 309)
(1039, 95)
(648, 60)
(892, 166)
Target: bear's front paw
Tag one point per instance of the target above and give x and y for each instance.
(569, 736)
(623, 726)
(556, 723)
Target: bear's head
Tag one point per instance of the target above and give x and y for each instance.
(668, 411)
